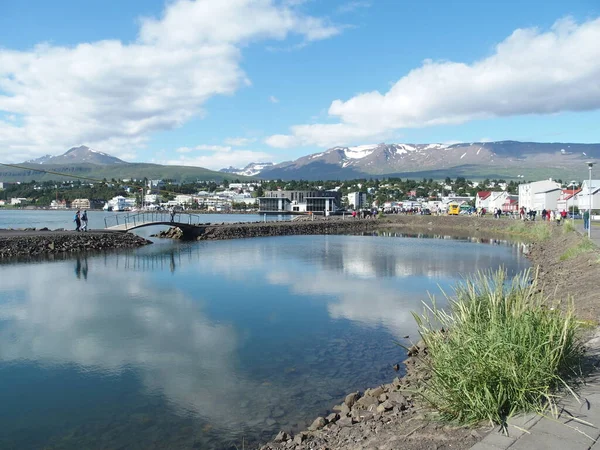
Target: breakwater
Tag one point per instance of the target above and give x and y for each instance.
(16, 243)
(251, 230)
(445, 225)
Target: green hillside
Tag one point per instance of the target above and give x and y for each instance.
(182, 174)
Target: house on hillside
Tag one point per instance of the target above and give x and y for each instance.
(539, 195)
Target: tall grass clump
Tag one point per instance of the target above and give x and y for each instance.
(584, 246)
(498, 348)
(538, 231)
(569, 226)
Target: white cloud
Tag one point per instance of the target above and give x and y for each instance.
(530, 72)
(110, 94)
(353, 6)
(213, 148)
(239, 141)
(219, 159)
(273, 99)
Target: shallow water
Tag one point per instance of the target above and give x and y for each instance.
(213, 344)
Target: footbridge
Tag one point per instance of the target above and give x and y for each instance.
(132, 221)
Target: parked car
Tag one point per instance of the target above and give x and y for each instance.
(575, 216)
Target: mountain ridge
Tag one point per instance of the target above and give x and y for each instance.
(78, 155)
(511, 159)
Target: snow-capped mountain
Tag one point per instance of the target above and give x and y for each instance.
(250, 170)
(491, 158)
(78, 155)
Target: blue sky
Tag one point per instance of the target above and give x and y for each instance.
(225, 83)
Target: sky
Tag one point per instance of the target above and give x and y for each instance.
(224, 83)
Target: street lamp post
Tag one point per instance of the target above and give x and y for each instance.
(572, 185)
(590, 165)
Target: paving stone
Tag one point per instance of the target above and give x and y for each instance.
(544, 441)
(562, 431)
(498, 440)
(485, 446)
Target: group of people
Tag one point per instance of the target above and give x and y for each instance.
(365, 214)
(81, 220)
(547, 215)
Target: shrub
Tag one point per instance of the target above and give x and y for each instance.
(497, 349)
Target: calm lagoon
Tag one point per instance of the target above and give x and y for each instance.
(210, 345)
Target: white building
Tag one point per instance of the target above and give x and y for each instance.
(567, 200)
(583, 196)
(357, 199)
(151, 199)
(498, 199)
(549, 191)
(184, 200)
(18, 201)
(120, 203)
(547, 200)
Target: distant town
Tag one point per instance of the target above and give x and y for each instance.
(303, 197)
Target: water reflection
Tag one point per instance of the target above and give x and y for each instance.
(218, 340)
(81, 269)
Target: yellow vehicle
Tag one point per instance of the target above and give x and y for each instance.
(453, 209)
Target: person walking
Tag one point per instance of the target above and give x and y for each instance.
(84, 221)
(77, 221)
(586, 219)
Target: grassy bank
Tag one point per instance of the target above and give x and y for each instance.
(535, 231)
(498, 348)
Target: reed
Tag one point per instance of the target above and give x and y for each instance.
(497, 349)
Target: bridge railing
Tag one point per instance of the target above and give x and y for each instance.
(132, 220)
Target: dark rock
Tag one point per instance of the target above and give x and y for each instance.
(351, 399)
(345, 422)
(318, 423)
(365, 402)
(332, 417)
(281, 436)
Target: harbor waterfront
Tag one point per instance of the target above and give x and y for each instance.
(191, 344)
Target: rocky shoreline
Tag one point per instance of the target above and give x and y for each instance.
(32, 242)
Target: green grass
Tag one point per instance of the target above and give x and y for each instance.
(504, 349)
(584, 246)
(568, 226)
(538, 231)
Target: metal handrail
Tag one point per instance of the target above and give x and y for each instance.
(131, 220)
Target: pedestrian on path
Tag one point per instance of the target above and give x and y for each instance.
(586, 219)
(84, 221)
(77, 221)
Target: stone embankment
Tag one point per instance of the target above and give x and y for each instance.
(261, 229)
(31, 242)
(444, 225)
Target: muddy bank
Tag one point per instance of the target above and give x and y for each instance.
(392, 416)
(24, 243)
